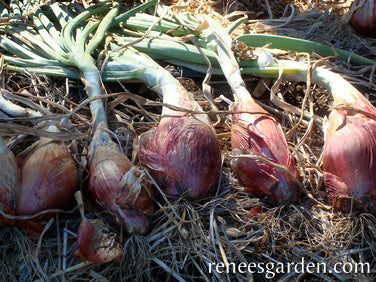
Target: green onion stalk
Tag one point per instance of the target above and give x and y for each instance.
(175, 26)
(62, 40)
(182, 153)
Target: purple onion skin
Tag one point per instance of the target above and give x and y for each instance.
(107, 166)
(113, 184)
(349, 155)
(183, 156)
(349, 161)
(49, 178)
(363, 20)
(261, 135)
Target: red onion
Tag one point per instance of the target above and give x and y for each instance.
(268, 170)
(182, 154)
(119, 186)
(261, 135)
(349, 156)
(49, 178)
(363, 18)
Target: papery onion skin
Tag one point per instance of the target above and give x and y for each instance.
(107, 166)
(183, 157)
(115, 185)
(349, 161)
(9, 183)
(134, 201)
(260, 134)
(49, 178)
(363, 19)
(255, 212)
(95, 243)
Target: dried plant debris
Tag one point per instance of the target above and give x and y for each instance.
(230, 235)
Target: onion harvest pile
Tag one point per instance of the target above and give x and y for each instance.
(258, 133)
(181, 157)
(59, 40)
(115, 183)
(354, 178)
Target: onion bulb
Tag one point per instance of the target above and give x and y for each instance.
(182, 155)
(118, 185)
(49, 178)
(261, 158)
(363, 18)
(257, 133)
(9, 183)
(349, 156)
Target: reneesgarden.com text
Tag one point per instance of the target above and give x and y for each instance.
(271, 269)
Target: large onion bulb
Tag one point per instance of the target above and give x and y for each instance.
(49, 178)
(182, 154)
(259, 134)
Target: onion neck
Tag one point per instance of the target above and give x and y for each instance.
(230, 67)
(50, 127)
(341, 89)
(343, 92)
(91, 80)
(162, 82)
(170, 90)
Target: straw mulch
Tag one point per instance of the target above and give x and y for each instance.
(188, 239)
